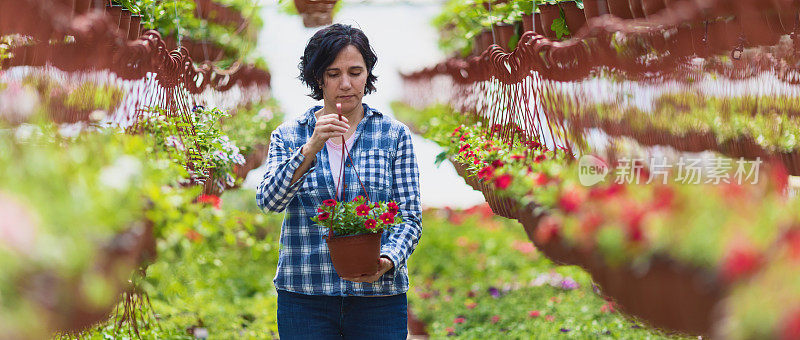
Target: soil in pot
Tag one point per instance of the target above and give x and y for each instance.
(355, 255)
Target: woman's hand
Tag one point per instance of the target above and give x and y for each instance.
(383, 267)
(328, 126)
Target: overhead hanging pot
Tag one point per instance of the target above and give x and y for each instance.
(315, 13)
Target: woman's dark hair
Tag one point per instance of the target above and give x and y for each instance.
(322, 50)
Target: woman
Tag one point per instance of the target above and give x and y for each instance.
(304, 167)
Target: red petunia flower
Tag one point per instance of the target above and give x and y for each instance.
(210, 199)
(363, 210)
(570, 201)
(370, 223)
(486, 173)
(534, 314)
(359, 197)
(550, 318)
(459, 320)
(539, 178)
(548, 230)
(464, 147)
(324, 216)
(329, 203)
(393, 208)
(539, 158)
(740, 262)
(387, 218)
(517, 157)
(495, 318)
(502, 181)
(319, 210)
(497, 163)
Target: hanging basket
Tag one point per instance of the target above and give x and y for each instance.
(315, 13)
(355, 255)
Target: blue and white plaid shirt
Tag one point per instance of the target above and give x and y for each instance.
(385, 160)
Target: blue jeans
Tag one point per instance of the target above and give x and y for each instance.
(303, 316)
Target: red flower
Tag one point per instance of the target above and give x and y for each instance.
(497, 163)
(324, 216)
(517, 157)
(459, 320)
(539, 158)
(793, 241)
(740, 262)
(608, 307)
(450, 331)
(791, 326)
(534, 314)
(370, 223)
(550, 318)
(495, 318)
(464, 147)
(539, 178)
(319, 210)
(570, 201)
(359, 197)
(329, 203)
(387, 218)
(502, 181)
(547, 230)
(362, 210)
(663, 197)
(591, 222)
(486, 173)
(193, 235)
(392, 207)
(210, 199)
(455, 131)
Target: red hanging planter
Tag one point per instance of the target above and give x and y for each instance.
(503, 34)
(619, 8)
(550, 13)
(591, 9)
(574, 16)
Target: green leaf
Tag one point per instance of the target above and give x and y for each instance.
(560, 27)
(440, 158)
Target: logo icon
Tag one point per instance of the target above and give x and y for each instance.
(591, 170)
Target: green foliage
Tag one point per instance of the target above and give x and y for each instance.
(461, 21)
(206, 153)
(252, 125)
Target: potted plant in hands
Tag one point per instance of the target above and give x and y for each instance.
(354, 233)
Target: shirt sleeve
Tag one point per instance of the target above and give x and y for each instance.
(404, 237)
(276, 189)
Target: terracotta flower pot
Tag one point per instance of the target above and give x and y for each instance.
(136, 27)
(503, 34)
(114, 12)
(591, 9)
(651, 7)
(636, 8)
(574, 16)
(125, 22)
(619, 8)
(537, 23)
(549, 13)
(355, 255)
(482, 42)
(527, 23)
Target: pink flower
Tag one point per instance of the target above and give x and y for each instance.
(791, 326)
(393, 208)
(608, 307)
(464, 147)
(502, 181)
(370, 223)
(534, 314)
(550, 318)
(362, 210)
(459, 320)
(495, 318)
(570, 201)
(329, 203)
(387, 218)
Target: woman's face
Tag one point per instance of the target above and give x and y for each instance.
(344, 80)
